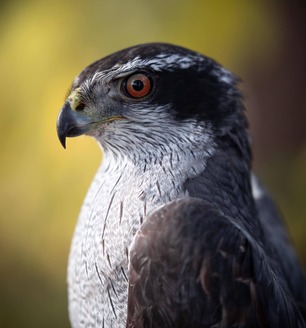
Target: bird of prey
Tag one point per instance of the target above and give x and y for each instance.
(176, 230)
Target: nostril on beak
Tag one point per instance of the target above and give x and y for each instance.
(80, 107)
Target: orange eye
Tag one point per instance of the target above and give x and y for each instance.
(138, 85)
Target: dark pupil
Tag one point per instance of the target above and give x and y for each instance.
(137, 85)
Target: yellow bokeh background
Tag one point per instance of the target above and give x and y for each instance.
(43, 46)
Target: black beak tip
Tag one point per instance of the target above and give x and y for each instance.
(61, 133)
(62, 140)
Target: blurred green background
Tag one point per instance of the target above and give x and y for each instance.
(45, 44)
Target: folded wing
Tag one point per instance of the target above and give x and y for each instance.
(190, 266)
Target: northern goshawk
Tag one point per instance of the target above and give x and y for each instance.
(175, 230)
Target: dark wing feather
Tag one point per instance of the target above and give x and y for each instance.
(190, 266)
(276, 232)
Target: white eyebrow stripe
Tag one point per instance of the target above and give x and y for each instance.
(158, 63)
(161, 61)
(224, 75)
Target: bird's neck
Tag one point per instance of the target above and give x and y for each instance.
(219, 173)
(226, 184)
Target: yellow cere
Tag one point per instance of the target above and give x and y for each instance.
(74, 98)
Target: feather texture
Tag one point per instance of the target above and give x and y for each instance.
(191, 266)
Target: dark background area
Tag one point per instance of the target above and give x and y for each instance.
(45, 44)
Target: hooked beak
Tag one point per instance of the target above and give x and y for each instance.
(71, 123)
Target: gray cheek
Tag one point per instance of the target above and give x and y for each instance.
(113, 92)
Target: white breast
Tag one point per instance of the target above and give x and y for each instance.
(120, 197)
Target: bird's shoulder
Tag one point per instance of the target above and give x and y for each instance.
(190, 266)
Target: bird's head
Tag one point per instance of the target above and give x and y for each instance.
(154, 94)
